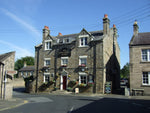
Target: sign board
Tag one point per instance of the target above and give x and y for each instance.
(11, 72)
(108, 87)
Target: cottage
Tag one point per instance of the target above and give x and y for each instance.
(139, 47)
(85, 60)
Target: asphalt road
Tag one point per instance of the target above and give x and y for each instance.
(45, 103)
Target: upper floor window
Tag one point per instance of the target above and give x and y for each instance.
(83, 40)
(48, 45)
(64, 61)
(146, 78)
(46, 61)
(83, 60)
(146, 55)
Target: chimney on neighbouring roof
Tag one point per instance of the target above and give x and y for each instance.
(115, 30)
(105, 24)
(135, 28)
(25, 64)
(46, 32)
(60, 34)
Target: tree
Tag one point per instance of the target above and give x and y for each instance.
(124, 72)
(20, 62)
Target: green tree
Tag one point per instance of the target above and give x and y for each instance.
(124, 72)
(20, 62)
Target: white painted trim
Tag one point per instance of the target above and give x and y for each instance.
(61, 83)
(81, 36)
(82, 56)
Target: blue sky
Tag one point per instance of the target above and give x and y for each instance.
(22, 21)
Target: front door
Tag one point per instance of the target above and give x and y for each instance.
(64, 82)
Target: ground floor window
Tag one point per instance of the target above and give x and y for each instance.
(146, 78)
(83, 79)
(46, 78)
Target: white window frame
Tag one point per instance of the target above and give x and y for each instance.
(47, 59)
(64, 58)
(66, 40)
(82, 57)
(48, 47)
(148, 78)
(85, 75)
(147, 55)
(44, 77)
(31, 73)
(84, 42)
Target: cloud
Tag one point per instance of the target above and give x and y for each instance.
(20, 52)
(22, 22)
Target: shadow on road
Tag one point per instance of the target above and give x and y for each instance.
(111, 105)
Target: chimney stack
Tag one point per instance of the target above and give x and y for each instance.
(25, 64)
(105, 24)
(46, 32)
(135, 28)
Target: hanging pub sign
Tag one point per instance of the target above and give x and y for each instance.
(108, 87)
(64, 52)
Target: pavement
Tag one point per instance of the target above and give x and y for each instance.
(16, 102)
(11, 103)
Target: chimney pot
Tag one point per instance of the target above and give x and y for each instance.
(114, 26)
(105, 16)
(60, 34)
(46, 27)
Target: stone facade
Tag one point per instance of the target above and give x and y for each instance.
(85, 60)
(139, 61)
(6, 74)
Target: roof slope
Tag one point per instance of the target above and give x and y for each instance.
(27, 68)
(140, 39)
(5, 56)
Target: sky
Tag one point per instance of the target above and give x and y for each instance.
(22, 21)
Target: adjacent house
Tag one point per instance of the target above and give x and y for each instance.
(26, 71)
(84, 60)
(139, 47)
(7, 62)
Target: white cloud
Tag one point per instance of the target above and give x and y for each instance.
(30, 28)
(20, 52)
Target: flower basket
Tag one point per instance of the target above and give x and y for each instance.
(90, 84)
(82, 85)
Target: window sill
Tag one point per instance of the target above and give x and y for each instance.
(84, 46)
(145, 85)
(145, 62)
(47, 49)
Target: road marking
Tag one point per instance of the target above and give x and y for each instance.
(39, 99)
(71, 109)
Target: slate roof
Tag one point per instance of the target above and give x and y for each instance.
(27, 68)
(5, 56)
(141, 39)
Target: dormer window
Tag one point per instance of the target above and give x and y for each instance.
(48, 45)
(83, 40)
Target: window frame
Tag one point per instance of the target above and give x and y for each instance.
(47, 59)
(145, 57)
(62, 59)
(81, 79)
(148, 78)
(82, 57)
(48, 44)
(44, 77)
(83, 40)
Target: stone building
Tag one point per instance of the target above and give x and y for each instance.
(26, 71)
(7, 62)
(86, 60)
(139, 47)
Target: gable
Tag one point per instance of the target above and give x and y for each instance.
(49, 38)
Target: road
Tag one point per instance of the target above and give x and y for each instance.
(45, 103)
